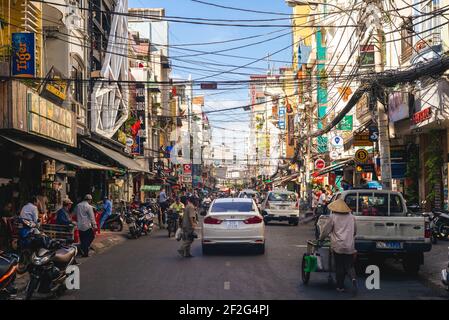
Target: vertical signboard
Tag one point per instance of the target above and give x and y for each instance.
(23, 60)
(281, 121)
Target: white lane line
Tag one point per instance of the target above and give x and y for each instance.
(227, 285)
(300, 245)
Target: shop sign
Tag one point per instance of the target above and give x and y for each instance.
(281, 121)
(362, 140)
(320, 164)
(422, 115)
(365, 167)
(398, 106)
(23, 58)
(362, 109)
(345, 124)
(208, 86)
(373, 133)
(198, 100)
(361, 155)
(55, 89)
(50, 120)
(148, 188)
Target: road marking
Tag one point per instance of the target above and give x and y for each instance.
(227, 285)
(300, 245)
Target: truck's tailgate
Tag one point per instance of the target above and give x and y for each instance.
(390, 228)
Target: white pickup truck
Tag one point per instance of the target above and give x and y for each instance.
(385, 228)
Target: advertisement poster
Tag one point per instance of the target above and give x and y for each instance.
(23, 60)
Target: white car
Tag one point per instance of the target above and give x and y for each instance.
(281, 205)
(233, 221)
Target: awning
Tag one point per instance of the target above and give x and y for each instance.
(333, 167)
(126, 162)
(59, 155)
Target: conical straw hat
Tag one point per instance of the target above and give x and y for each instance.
(339, 206)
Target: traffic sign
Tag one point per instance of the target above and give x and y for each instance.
(334, 155)
(320, 164)
(337, 142)
(361, 155)
(187, 168)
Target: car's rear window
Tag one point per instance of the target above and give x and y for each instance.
(232, 207)
(374, 204)
(291, 197)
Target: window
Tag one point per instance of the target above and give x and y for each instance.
(351, 201)
(233, 207)
(366, 58)
(396, 208)
(282, 197)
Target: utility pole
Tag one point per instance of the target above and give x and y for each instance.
(190, 107)
(382, 117)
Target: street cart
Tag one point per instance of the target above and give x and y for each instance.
(318, 258)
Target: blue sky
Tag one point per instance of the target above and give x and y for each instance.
(180, 33)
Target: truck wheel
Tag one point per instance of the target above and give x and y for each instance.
(411, 265)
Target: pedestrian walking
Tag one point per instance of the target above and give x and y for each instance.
(63, 214)
(163, 204)
(86, 224)
(189, 224)
(107, 211)
(341, 228)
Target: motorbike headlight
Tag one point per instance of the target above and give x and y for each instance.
(38, 261)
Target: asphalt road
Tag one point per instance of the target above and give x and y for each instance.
(150, 268)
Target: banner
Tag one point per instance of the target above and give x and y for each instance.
(23, 60)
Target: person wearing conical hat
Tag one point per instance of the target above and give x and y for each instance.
(341, 228)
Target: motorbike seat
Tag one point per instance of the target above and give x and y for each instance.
(64, 254)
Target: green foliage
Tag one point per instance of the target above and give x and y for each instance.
(434, 163)
(412, 173)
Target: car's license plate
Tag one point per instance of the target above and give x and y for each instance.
(389, 245)
(232, 224)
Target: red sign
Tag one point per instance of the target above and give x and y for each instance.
(187, 168)
(320, 164)
(422, 115)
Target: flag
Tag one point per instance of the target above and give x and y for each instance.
(136, 127)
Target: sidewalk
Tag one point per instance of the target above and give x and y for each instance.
(434, 262)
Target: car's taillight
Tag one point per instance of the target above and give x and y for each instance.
(253, 220)
(427, 231)
(210, 220)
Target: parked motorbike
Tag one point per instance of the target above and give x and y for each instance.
(439, 223)
(145, 220)
(133, 227)
(172, 222)
(8, 270)
(30, 240)
(114, 222)
(48, 268)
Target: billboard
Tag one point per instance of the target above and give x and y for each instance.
(398, 106)
(23, 60)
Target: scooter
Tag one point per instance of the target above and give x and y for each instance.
(134, 229)
(8, 271)
(172, 222)
(48, 269)
(145, 220)
(114, 222)
(30, 240)
(205, 206)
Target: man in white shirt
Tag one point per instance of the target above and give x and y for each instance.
(322, 198)
(30, 211)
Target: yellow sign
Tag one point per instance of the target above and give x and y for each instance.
(362, 140)
(361, 155)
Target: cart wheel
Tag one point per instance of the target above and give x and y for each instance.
(305, 275)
